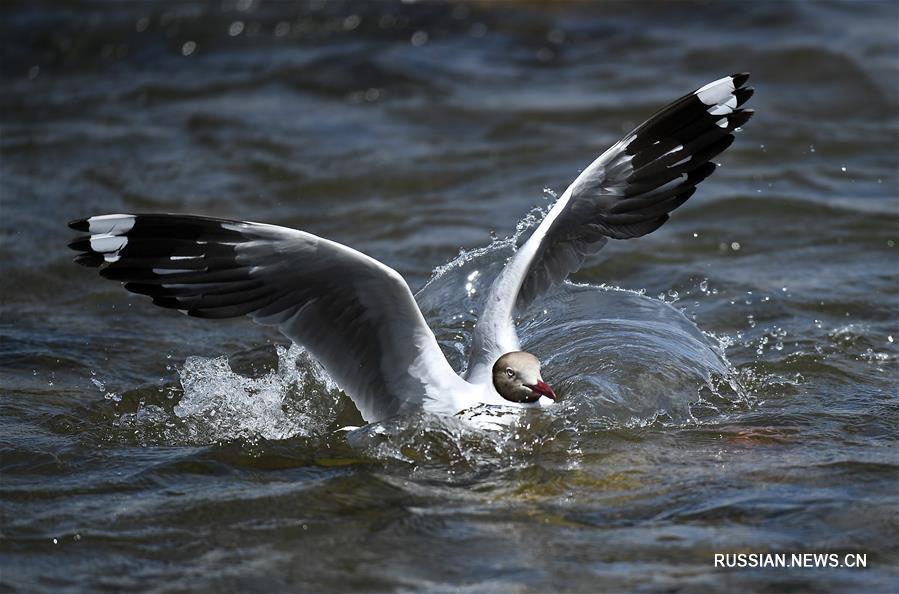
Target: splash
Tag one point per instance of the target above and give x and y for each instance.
(427, 443)
(220, 402)
(297, 399)
(618, 358)
(617, 353)
(622, 361)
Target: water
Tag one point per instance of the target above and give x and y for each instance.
(729, 383)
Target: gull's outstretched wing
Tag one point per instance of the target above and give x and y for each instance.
(354, 314)
(627, 192)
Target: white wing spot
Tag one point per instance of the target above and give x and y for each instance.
(716, 92)
(114, 224)
(106, 244)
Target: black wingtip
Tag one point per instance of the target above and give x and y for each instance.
(738, 118)
(80, 225)
(81, 244)
(743, 95)
(740, 79)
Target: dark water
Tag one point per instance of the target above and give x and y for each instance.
(746, 401)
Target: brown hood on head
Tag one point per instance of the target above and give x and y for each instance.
(516, 377)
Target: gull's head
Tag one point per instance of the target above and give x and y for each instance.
(516, 376)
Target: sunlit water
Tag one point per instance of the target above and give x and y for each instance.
(728, 384)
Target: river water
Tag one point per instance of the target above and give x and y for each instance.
(729, 384)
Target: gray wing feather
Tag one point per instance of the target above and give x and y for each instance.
(627, 192)
(354, 314)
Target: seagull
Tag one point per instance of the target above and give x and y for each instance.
(358, 317)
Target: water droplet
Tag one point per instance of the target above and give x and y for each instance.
(282, 29)
(555, 36)
(889, 338)
(704, 285)
(695, 234)
(351, 22)
(188, 48)
(735, 246)
(419, 38)
(55, 541)
(811, 148)
(235, 29)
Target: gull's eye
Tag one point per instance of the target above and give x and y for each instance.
(509, 372)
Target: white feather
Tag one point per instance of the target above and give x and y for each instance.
(716, 92)
(112, 224)
(108, 244)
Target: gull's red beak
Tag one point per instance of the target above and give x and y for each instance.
(543, 389)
